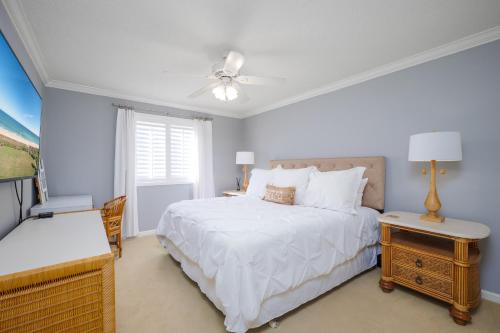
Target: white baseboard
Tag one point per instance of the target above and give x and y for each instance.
(490, 296)
(146, 233)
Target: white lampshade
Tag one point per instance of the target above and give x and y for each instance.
(245, 157)
(438, 146)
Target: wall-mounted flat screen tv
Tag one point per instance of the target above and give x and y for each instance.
(20, 112)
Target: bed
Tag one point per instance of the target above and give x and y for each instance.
(257, 260)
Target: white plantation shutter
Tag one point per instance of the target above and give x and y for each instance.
(165, 150)
(151, 154)
(181, 151)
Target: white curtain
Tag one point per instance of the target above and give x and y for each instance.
(124, 182)
(203, 186)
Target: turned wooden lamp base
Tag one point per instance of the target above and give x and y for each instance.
(432, 202)
(244, 187)
(432, 217)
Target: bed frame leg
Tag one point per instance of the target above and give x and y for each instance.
(274, 323)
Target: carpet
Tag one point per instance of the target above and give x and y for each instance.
(154, 295)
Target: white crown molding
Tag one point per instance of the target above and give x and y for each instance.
(25, 32)
(490, 296)
(119, 95)
(462, 44)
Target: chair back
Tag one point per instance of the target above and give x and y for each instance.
(112, 214)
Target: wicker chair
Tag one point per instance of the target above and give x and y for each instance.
(112, 214)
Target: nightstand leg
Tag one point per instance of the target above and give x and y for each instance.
(385, 282)
(460, 309)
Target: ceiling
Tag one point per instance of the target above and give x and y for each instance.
(122, 48)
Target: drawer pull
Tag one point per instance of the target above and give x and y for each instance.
(419, 280)
(418, 263)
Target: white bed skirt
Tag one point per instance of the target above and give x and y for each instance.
(280, 304)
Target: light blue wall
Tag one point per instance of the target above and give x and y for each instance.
(460, 92)
(9, 210)
(79, 143)
(155, 199)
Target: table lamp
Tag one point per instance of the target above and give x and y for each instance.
(245, 158)
(432, 147)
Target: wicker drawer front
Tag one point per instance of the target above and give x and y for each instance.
(419, 280)
(73, 303)
(422, 262)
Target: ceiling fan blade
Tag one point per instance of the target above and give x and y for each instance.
(197, 76)
(260, 80)
(203, 90)
(234, 62)
(242, 96)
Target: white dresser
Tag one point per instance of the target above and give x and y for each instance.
(57, 274)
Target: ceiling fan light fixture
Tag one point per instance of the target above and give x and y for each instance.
(225, 92)
(226, 80)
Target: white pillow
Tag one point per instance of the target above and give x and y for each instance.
(298, 178)
(335, 190)
(359, 199)
(259, 178)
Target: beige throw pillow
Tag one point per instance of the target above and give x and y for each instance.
(281, 195)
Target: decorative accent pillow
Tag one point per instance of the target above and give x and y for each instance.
(281, 195)
(359, 199)
(298, 178)
(259, 178)
(335, 190)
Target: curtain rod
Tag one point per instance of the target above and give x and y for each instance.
(165, 113)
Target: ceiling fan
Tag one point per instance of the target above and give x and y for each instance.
(226, 79)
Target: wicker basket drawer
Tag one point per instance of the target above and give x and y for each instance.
(419, 280)
(422, 262)
(67, 303)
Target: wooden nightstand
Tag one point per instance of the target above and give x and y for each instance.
(234, 193)
(438, 259)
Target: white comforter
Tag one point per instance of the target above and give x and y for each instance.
(255, 249)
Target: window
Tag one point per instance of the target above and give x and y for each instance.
(164, 150)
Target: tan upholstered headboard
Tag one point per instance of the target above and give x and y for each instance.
(373, 196)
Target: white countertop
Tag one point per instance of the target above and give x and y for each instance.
(43, 242)
(61, 204)
(451, 227)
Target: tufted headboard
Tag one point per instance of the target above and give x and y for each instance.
(373, 196)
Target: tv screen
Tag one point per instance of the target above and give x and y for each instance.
(20, 111)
